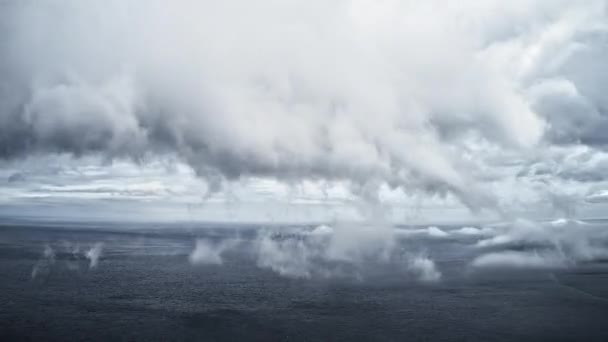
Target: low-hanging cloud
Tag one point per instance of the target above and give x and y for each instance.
(341, 252)
(94, 254)
(326, 252)
(364, 91)
(555, 244)
(520, 260)
(424, 268)
(45, 263)
(210, 253)
(68, 255)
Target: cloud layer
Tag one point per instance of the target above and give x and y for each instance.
(398, 92)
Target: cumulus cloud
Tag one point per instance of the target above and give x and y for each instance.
(397, 92)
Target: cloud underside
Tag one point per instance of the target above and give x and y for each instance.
(418, 95)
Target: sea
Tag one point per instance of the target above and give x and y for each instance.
(79, 281)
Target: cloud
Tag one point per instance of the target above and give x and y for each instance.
(481, 235)
(557, 243)
(68, 255)
(395, 92)
(519, 260)
(473, 231)
(210, 253)
(94, 254)
(436, 232)
(432, 232)
(496, 105)
(600, 196)
(322, 252)
(562, 233)
(322, 230)
(45, 263)
(424, 269)
(290, 257)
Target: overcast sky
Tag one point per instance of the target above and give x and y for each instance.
(303, 110)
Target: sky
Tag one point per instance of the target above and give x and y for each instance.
(416, 111)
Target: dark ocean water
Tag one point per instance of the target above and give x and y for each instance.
(144, 288)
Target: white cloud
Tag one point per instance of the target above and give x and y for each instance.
(519, 260)
(355, 90)
(45, 263)
(290, 257)
(473, 231)
(322, 252)
(208, 252)
(557, 243)
(430, 106)
(51, 258)
(94, 254)
(431, 231)
(424, 269)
